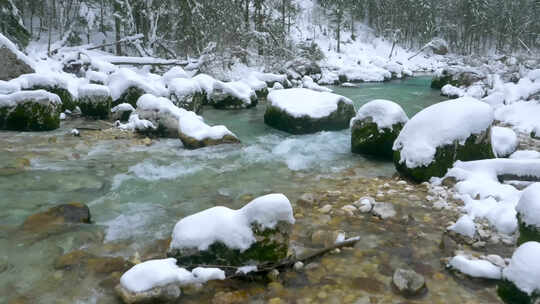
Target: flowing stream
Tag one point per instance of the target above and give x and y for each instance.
(136, 193)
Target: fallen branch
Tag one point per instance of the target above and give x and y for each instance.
(123, 40)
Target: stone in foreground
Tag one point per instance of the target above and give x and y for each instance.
(30, 111)
(432, 140)
(521, 279)
(302, 111)
(95, 101)
(257, 233)
(375, 128)
(408, 283)
(528, 214)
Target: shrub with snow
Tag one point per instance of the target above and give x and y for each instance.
(258, 232)
(521, 279)
(30, 111)
(95, 100)
(504, 141)
(376, 126)
(432, 140)
(301, 111)
(528, 213)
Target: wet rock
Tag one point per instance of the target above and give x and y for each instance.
(193, 143)
(92, 263)
(349, 209)
(325, 209)
(365, 204)
(163, 294)
(408, 282)
(75, 213)
(384, 210)
(448, 245)
(187, 94)
(232, 95)
(307, 199)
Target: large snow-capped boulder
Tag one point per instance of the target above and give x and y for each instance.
(127, 86)
(95, 100)
(195, 133)
(504, 141)
(521, 279)
(456, 76)
(232, 95)
(301, 111)
(376, 126)
(14, 62)
(363, 73)
(12, 25)
(160, 281)
(162, 113)
(52, 83)
(437, 136)
(254, 234)
(186, 94)
(30, 111)
(528, 214)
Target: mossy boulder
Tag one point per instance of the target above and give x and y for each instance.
(232, 95)
(95, 101)
(122, 112)
(255, 234)
(271, 245)
(30, 111)
(283, 113)
(528, 214)
(367, 138)
(68, 102)
(375, 128)
(510, 294)
(475, 147)
(192, 102)
(457, 77)
(130, 96)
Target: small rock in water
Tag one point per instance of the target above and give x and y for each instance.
(349, 209)
(365, 204)
(75, 132)
(307, 199)
(298, 265)
(326, 208)
(384, 210)
(333, 193)
(408, 282)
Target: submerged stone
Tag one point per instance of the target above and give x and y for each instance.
(75, 213)
(408, 282)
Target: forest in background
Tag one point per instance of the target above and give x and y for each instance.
(178, 28)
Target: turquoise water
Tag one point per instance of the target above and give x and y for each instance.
(137, 193)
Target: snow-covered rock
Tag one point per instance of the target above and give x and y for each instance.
(96, 77)
(95, 100)
(260, 87)
(521, 115)
(525, 154)
(521, 279)
(504, 141)
(14, 62)
(432, 140)
(363, 73)
(376, 126)
(122, 112)
(186, 94)
(301, 111)
(452, 91)
(160, 281)
(232, 95)
(30, 111)
(475, 268)
(55, 83)
(528, 212)
(308, 83)
(457, 76)
(174, 73)
(256, 233)
(464, 226)
(127, 86)
(195, 133)
(163, 114)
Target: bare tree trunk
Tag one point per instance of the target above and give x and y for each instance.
(117, 8)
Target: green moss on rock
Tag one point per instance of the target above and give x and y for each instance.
(527, 233)
(367, 138)
(192, 102)
(30, 116)
(271, 245)
(281, 120)
(68, 103)
(477, 146)
(192, 143)
(230, 103)
(96, 106)
(130, 95)
(510, 294)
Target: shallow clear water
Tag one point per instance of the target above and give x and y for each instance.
(136, 193)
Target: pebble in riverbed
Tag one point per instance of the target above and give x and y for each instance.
(408, 282)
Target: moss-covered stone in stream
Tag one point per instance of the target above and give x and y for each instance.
(130, 95)
(527, 233)
(367, 138)
(96, 106)
(510, 294)
(68, 103)
(271, 245)
(477, 146)
(30, 116)
(337, 120)
(191, 102)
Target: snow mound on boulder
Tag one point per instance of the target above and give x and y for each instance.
(504, 141)
(528, 207)
(385, 113)
(524, 268)
(89, 90)
(525, 154)
(433, 127)
(124, 78)
(38, 96)
(231, 227)
(300, 102)
(475, 268)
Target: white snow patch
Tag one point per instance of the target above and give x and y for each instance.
(475, 268)
(38, 96)
(464, 226)
(524, 268)
(528, 207)
(300, 102)
(504, 141)
(385, 113)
